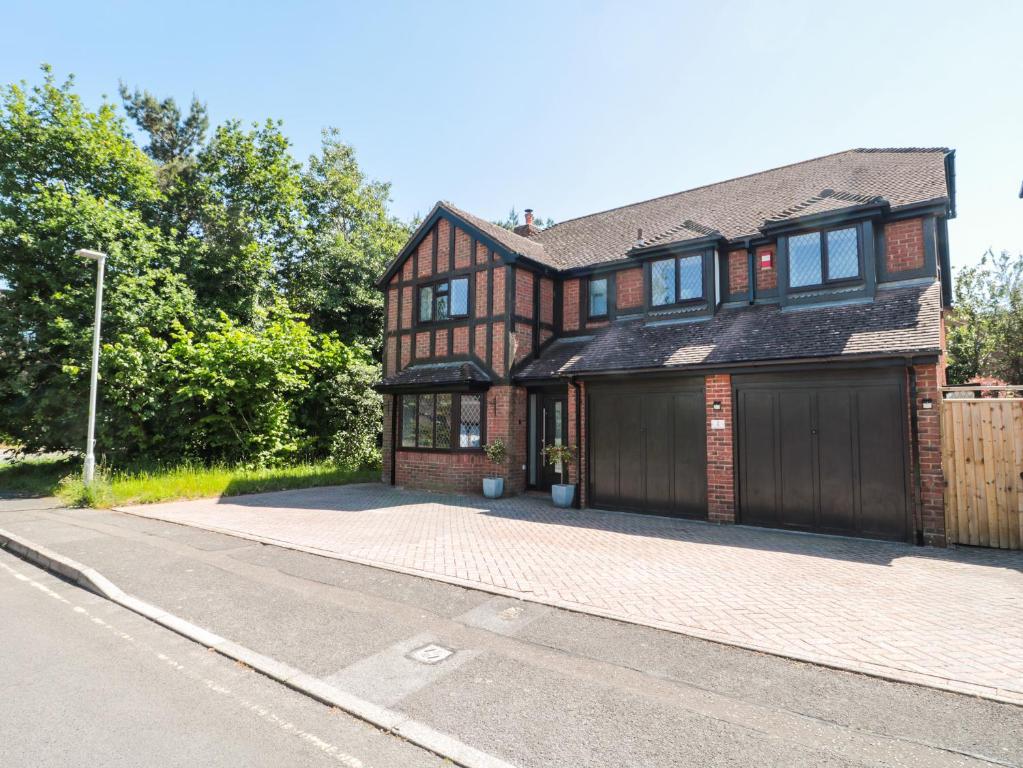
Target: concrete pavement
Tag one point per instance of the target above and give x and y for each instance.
(531, 684)
(86, 682)
(945, 618)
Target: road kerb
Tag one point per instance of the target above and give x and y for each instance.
(414, 732)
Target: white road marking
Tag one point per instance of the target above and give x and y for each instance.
(260, 711)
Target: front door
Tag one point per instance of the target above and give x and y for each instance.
(552, 428)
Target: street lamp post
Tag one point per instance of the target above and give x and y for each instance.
(90, 443)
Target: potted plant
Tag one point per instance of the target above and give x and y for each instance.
(562, 494)
(493, 487)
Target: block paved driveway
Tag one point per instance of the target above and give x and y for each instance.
(949, 619)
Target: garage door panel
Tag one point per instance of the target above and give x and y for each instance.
(690, 453)
(797, 460)
(838, 460)
(758, 444)
(882, 459)
(630, 457)
(823, 452)
(603, 437)
(652, 440)
(658, 447)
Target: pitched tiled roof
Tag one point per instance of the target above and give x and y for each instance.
(899, 321)
(739, 207)
(439, 374)
(514, 243)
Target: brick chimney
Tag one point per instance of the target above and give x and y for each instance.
(528, 229)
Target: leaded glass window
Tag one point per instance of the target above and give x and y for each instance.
(598, 297)
(816, 258)
(408, 421)
(843, 254)
(424, 429)
(460, 297)
(426, 304)
(443, 301)
(442, 422)
(432, 420)
(690, 278)
(470, 421)
(662, 282)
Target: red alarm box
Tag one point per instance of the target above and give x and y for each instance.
(766, 259)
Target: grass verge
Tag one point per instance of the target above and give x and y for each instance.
(34, 477)
(63, 478)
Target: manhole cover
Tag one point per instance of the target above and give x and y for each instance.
(430, 654)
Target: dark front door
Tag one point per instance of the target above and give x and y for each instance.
(648, 448)
(823, 453)
(552, 430)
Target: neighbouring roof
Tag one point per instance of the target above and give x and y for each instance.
(437, 374)
(899, 321)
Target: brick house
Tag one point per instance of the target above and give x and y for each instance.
(765, 350)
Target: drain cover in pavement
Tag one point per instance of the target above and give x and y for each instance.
(430, 654)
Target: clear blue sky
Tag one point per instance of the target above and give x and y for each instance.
(575, 107)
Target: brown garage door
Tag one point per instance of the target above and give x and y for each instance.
(823, 453)
(648, 448)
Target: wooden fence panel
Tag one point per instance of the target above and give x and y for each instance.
(982, 455)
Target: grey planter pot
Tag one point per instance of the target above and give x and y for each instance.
(563, 495)
(493, 487)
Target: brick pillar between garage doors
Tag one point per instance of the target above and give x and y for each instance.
(720, 461)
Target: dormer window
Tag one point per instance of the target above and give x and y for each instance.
(444, 301)
(677, 280)
(819, 258)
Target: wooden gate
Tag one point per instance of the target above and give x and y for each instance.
(982, 455)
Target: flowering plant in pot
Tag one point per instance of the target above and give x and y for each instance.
(560, 456)
(493, 487)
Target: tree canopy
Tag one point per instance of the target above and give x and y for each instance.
(239, 293)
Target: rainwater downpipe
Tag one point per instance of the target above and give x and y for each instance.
(577, 502)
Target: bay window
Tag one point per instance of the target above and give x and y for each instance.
(442, 420)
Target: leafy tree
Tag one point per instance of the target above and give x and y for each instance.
(349, 240)
(985, 330)
(71, 178)
(513, 220)
(174, 143)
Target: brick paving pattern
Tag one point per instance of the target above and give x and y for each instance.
(952, 619)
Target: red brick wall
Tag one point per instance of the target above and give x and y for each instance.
(390, 356)
(767, 278)
(570, 305)
(463, 249)
(424, 257)
(904, 245)
(463, 472)
(932, 480)
(423, 344)
(499, 278)
(406, 306)
(523, 292)
(460, 341)
(546, 300)
(392, 309)
(406, 349)
(720, 464)
(523, 342)
(629, 288)
(386, 449)
(443, 246)
(497, 348)
(577, 441)
(440, 343)
(738, 271)
(482, 285)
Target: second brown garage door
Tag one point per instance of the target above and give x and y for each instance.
(823, 453)
(648, 448)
